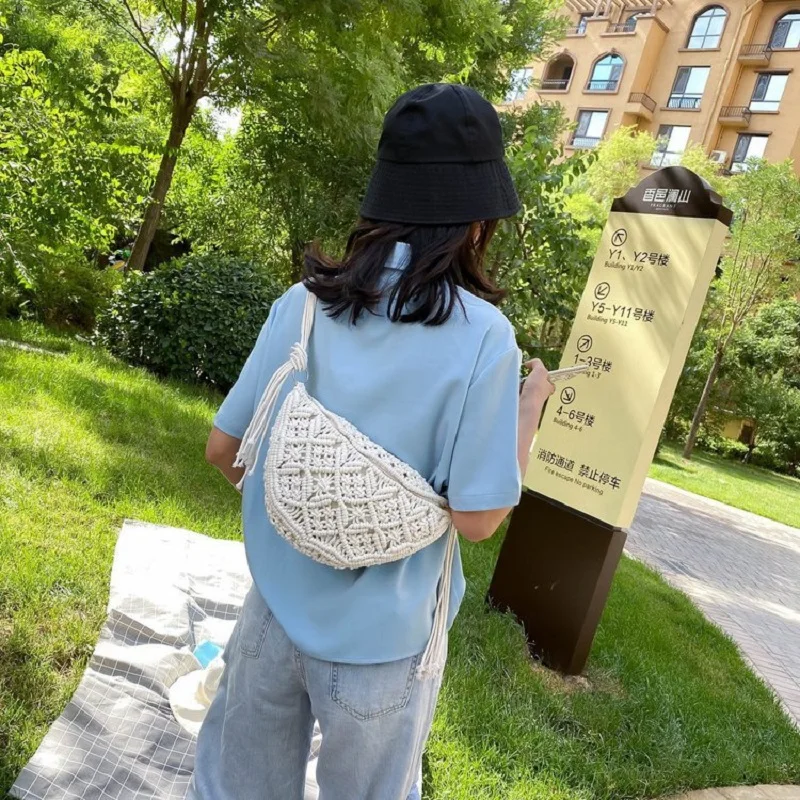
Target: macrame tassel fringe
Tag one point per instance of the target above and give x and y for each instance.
(435, 655)
(250, 448)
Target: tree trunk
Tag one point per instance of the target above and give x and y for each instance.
(700, 411)
(181, 117)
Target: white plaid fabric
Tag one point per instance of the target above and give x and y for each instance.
(117, 738)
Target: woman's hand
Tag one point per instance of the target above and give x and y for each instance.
(537, 387)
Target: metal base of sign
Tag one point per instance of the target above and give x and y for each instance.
(554, 573)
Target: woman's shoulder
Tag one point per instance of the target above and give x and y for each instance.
(293, 297)
(487, 321)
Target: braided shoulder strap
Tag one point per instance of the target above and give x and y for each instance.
(250, 448)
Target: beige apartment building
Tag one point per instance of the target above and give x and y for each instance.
(725, 75)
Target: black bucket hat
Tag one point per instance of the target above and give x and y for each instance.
(440, 161)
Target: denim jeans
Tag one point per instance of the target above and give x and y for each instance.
(255, 741)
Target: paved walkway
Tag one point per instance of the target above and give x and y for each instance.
(745, 793)
(742, 570)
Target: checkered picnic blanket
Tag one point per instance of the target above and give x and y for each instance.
(117, 738)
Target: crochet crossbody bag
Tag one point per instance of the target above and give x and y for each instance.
(337, 496)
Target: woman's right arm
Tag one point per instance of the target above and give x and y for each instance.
(479, 525)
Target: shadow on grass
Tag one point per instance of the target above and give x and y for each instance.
(146, 439)
(742, 471)
(669, 463)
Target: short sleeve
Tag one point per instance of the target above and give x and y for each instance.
(237, 409)
(484, 470)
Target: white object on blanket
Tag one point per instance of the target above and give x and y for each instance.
(190, 698)
(191, 695)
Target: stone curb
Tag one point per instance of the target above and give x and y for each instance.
(760, 792)
(30, 348)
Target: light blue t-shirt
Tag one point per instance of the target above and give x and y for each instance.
(444, 399)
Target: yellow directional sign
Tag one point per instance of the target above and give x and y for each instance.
(633, 328)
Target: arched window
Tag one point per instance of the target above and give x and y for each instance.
(606, 74)
(630, 23)
(707, 29)
(558, 73)
(786, 33)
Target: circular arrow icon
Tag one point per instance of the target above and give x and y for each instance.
(619, 237)
(602, 290)
(585, 343)
(567, 395)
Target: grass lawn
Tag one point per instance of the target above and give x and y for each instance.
(85, 442)
(750, 488)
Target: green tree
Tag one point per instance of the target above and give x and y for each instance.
(539, 256)
(770, 341)
(213, 203)
(617, 165)
(340, 62)
(72, 161)
(696, 159)
(759, 262)
(613, 167)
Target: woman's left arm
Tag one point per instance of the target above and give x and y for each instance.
(221, 451)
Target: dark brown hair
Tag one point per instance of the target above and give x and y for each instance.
(443, 259)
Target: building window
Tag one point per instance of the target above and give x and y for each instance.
(582, 23)
(769, 91)
(672, 141)
(590, 130)
(520, 81)
(606, 74)
(558, 73)
(707, 29)
(748, 146)
(690, 83)
(630, 23)
(786, 33)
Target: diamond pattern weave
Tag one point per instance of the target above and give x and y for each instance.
(339, 497)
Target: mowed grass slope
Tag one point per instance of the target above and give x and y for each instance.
(753, 489)
(86, 442)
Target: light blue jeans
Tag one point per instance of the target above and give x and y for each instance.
(255, 741)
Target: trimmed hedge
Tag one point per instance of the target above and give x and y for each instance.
(196, 318)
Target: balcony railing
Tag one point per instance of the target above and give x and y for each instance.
(602, 86)
(576, 30)
(622, 27)
(685, 102)
(644, 99)
(736, 114)
(554, 84)
(585, 142)
(760, 53)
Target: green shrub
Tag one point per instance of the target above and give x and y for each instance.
(10, 293)
(771, 455)
(69, 291)
(65, 290)
(710, 441)
(196, 318)
(676, 429)
(734, 449)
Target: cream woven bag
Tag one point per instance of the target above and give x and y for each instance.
(337, 496)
